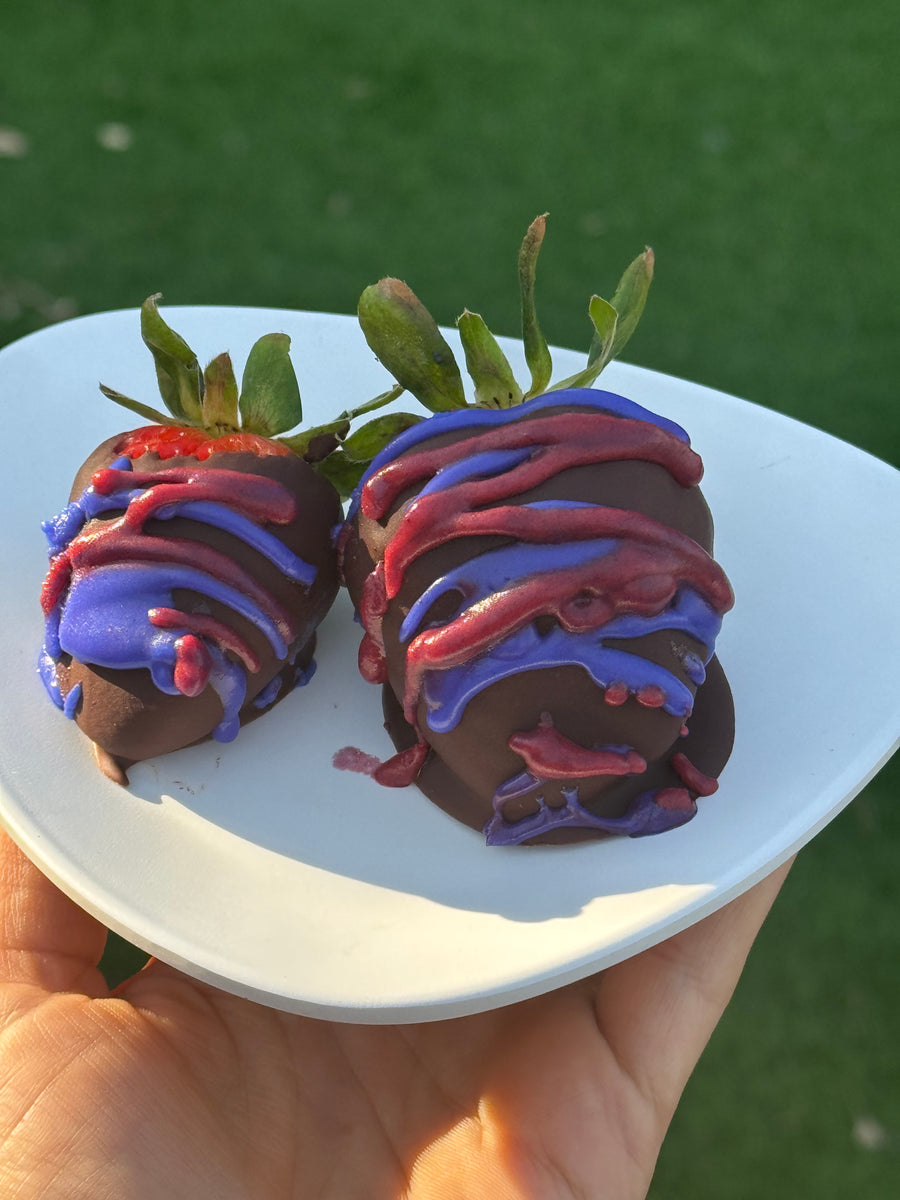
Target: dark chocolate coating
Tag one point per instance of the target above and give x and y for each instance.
(468, 763)
(122, 711)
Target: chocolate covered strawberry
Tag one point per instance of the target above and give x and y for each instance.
(195, 559)
(533, 573)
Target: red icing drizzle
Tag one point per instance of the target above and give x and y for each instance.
(441, 516)
(674, 799)
(398, 771)
(402, 769)
(372, 607)
(372, 661)
(549, 754)
(702, 784)
(193, 664)
(373, 604)
(562, 440)
(261, 498)
(651, 696)
(351, 758)
(206, 626)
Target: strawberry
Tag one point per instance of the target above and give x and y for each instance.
(196, 557)
(170, 441)
(533, 573)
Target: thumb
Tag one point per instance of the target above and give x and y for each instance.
(659, 1009)
(46, 940)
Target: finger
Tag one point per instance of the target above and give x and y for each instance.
(658, 1010)
(45, 938)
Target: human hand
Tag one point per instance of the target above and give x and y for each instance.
(168, 1089)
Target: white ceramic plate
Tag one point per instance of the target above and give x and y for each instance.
(260, 868)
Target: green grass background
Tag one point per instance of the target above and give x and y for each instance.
(281, 154)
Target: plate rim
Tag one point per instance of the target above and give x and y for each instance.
(476, 1002)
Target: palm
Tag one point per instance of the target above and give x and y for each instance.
(172, 1089)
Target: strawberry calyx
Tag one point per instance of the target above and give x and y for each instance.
(210, 414)
(405, 337)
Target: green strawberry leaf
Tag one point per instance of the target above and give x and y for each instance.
(405, 338)
(143, 410)
(177, 369)
(605, 321)
(630, 298)
(270, 395)
(342, 472)
(371, 439)
(537, 354)
(495, 384)
(614, 321)
(220, 396)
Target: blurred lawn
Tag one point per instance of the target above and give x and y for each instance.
(286, 155)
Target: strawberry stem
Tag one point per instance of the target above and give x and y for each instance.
(340, 426)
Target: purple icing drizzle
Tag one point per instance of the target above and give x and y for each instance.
(269, 693)
(229, 682)
(645, 816)
(70, 705)
(305, 674)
